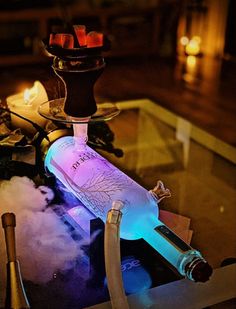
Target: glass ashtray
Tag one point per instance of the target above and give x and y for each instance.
(54, 111)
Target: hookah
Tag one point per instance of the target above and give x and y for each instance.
(94, 180)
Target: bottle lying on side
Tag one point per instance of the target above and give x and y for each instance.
(97, 183)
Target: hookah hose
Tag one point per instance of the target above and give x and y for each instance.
(112, 249)
(112, 257)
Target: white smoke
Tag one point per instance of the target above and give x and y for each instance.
(43, 243)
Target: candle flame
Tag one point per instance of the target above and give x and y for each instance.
(27, 96)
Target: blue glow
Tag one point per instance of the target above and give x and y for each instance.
(135, 278)
(96, 183)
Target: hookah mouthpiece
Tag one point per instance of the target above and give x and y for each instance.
(15, 293)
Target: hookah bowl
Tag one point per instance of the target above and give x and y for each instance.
(79, 75)
(79, 69)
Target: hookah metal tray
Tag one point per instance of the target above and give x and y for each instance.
(54, 110)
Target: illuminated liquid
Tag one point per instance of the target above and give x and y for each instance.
(97, 183)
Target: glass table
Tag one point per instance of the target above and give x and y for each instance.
(200, 171)
(198, 168)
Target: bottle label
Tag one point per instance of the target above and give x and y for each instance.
(94, 181)
(83, 158)
(97, 184)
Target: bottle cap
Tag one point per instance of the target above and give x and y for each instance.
(199, 270)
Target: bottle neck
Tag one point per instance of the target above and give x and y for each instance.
(184, 258)
(81, 134)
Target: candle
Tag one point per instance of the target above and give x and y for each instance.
(26, 104)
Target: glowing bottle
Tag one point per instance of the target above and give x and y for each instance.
(97, 183)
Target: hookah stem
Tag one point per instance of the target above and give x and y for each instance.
(80, 132)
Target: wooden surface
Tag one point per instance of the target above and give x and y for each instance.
(208, 100)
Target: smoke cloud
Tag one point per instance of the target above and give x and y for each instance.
(43, 243)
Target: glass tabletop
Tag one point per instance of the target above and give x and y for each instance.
(198, 168)
(200, 172)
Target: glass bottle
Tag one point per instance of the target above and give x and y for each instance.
(97, 183)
